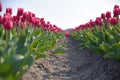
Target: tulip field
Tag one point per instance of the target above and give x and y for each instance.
(25, 38)
(101, 36)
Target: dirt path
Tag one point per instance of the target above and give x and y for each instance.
(75, 64)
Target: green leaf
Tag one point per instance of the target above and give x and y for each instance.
(13, 65)
(59, 50)
(104, 47)
(34, 44)
(21, 48)
(112, 55)
(40, 55)
(94, 48)
(115, 47)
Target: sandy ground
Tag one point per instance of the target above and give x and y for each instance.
(74, 64)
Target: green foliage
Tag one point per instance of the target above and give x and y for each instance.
(20, 47)
(59, 50)
(103, 41)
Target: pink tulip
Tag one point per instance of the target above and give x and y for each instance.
(116, 12)
(98, 21)
(92, 23)
(113, 21)
(15, 20)
(108, 14)
(20, 11)
(9, 10)
(22, 19)
(103, 16)
(67, 34)
(25, 15)
(6, 17)
(8, 25)
(116, 6)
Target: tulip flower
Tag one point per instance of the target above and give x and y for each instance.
(20, 11)
(98, 21)
(25, 15)
(108, 14)
(22, 19)
(0, 6)
(92, 23)
(67, 34)
(116, 6)
(113, 21)
(8, 25)
(103, 16)
(9, 10)
(116, 12)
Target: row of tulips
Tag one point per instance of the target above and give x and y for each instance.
(23, 39)
(101, 36)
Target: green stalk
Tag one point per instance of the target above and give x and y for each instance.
(6, 38)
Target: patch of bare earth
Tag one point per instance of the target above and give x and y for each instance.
(75, 64)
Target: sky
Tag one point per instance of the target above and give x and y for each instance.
(64, 13)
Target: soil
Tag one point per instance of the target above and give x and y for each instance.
(74, 64)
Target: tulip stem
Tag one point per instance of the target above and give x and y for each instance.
(6, 38)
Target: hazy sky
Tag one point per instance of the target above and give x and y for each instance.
(64, 13)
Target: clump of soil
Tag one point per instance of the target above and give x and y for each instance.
(74, 64)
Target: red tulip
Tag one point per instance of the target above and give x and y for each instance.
(15, 19)
(116, 6)
(25, 15)
(103, 16)
(98, 21)
(0, 6)
(20, 11)
(87, 25)
(92, 23)
(6, 17)
(113, 21)
(33, 14)
(67, 34)
(116, 12)
(48, 22)
(9, 10)
(22, 19)
(30, 14)
(108, 14)
(8, 25)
